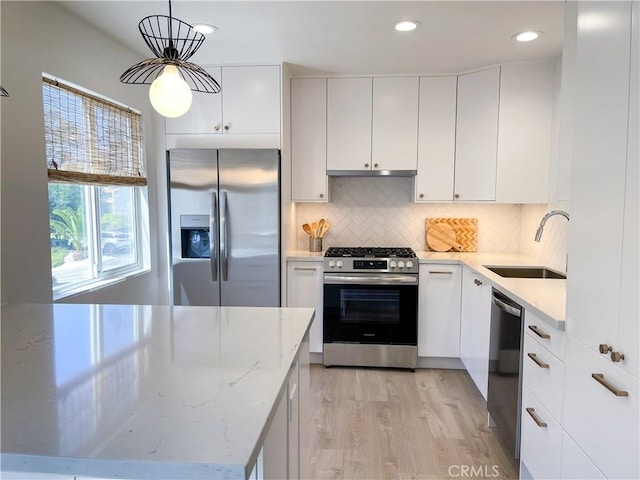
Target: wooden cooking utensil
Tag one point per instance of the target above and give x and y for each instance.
(320, 225)
(325, 227)
(314, 229)
(442, 238)
(307, 229)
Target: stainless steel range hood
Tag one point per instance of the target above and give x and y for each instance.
(371, 173)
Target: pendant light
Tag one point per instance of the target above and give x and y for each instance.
(3, 92)
(171, 76)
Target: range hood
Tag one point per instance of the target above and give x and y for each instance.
(372, 173)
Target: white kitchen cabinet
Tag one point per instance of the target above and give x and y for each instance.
(524, 134)
(440, 288)
(349, 113)
(601, 411)
(394, 140)
(436, 139)
(293, 420)
(309, 181)
(304, 289)
(477, 135)
(249, 102)
(475, 325)
(575, 463)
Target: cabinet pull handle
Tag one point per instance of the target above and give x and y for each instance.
(226, 127)
(617, 356)
(322, 195)
(457, 195)
(604, 348)
(439, 272)
(306, 269)
(532, 413)
(421, 195)
(535, 329)
(599, 377)
(477, 282)
(366, 165)
(539, 362)
(375, 165)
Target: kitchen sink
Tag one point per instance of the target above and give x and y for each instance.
(525, 272)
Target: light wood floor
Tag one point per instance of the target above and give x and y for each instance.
(393, 424)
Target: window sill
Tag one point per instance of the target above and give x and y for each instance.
(99, 284)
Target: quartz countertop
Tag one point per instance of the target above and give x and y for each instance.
(546, 297)
(124, 391)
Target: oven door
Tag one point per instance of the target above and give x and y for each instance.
(371, 308)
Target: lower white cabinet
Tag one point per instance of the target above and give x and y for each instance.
(304, 289)
(439, 310)
(575, 463)
(475, 325)
(601, 411)
(541, 434)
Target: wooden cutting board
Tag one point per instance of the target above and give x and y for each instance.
(442, 238)
(466, 230)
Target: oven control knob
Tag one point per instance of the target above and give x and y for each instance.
(409, 264)
(393, 264)
(400, 264)
(332, 264)
(339, 264)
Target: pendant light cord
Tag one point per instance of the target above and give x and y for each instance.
(170, 27)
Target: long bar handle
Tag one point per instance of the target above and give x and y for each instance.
(306, 269)
(439, 272)
(535, 329)
(224, 238)
(599, 377)
(539, 362)
(213, 237)
(532, 413)
(505, 307)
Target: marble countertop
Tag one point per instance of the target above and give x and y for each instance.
(126, 391)
(547, 297)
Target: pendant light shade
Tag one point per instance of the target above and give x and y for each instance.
(173, 42)
(3, 92)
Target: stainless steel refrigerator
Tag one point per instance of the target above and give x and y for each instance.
(224, 211)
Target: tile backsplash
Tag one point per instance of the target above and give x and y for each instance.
(378, 211)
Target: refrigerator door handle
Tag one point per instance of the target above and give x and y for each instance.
(213, 246)
(224, 239)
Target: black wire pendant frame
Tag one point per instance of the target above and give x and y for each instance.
(173, 42)
(3, 92)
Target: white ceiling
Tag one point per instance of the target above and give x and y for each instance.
(340, 37)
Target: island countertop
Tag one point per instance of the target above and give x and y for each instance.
(134, 391)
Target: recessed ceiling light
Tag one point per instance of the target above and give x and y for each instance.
(407, 25)
(205, 29)
(526, 36)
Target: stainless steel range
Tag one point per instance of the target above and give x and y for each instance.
(370, 314)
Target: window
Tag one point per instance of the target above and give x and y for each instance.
(96, 176)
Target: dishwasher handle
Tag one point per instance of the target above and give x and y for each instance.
(510, 309)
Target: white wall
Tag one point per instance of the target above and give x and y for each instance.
(44, 37)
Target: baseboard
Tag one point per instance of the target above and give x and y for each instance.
(440, 362)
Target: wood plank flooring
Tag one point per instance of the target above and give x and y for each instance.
(370, 424)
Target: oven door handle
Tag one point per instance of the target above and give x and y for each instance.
(385, 279)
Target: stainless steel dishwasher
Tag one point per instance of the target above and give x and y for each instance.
(505, 370)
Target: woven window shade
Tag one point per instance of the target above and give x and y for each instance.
(90, 140)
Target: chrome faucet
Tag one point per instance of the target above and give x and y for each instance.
(544, 221)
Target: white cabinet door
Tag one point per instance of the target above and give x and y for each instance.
(205, 114)
(477, 135)
(251, 99)
(349, 114)
(575, 463)
(475, 325)
(439, 310)
(524, 136)
(304, 289)
(436, 139)
(294, 423)
(395, 123)
(309, 140)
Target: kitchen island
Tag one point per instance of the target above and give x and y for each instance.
(138, 391)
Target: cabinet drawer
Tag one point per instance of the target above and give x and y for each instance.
(575, 464)
(544, 333)
(543, 374)
(604, 425)
(540, 445)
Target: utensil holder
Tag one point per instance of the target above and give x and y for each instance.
(315, 244)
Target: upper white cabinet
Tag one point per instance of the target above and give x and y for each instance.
(309, 140)
(439, 310)
(524, 134)
(349, 111)
(436, 139)
(249, 103)
(394, 142)
(476, 135)
(372, 124)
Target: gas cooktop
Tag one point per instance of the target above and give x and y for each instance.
(370, 252)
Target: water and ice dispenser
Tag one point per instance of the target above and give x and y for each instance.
(194, 236)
